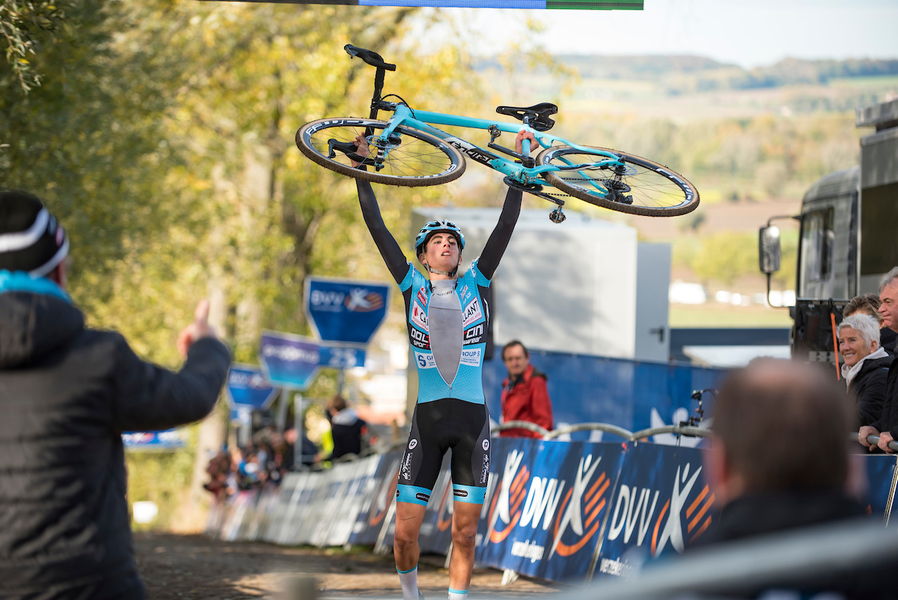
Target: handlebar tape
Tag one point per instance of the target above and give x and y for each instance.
(372, 58)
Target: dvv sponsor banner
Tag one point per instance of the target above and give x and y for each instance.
(168, 440)
(373, 512)
(661, 505)
(548, 506)
(344, 310)
(248, 390)
(881, 481)
(289, 361)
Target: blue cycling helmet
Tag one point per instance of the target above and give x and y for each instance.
(434, 227)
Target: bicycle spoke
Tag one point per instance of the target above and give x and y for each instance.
(632, 184)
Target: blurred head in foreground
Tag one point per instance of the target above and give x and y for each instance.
(780, 426)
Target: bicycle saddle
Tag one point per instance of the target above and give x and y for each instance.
(538, 113)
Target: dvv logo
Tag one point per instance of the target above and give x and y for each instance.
(578, 519)
(361, 300)
(696, 513)
(570, 516)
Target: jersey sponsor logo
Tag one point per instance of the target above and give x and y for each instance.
(422, 497)
(413, 443)
(485, 470)
(465, 294)
(419, 316)
(473, 335)
(419, 338)
(470, 357)
(460, 493)
(486, 444)
(426, 361)
(472, 313)
(422, 296)
(405, 472)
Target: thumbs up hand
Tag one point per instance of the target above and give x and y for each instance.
(199, 329)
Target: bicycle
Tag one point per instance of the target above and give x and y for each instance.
(407, 150)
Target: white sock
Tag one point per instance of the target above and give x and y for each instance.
(458, 594)
(409, 582)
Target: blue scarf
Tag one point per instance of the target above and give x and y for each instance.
(21, 281)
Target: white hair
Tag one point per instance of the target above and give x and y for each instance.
(865, 325)
(888, 279)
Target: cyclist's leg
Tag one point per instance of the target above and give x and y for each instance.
(418, 473)
(470, 474)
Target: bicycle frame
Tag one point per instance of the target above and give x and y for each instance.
(527, 176)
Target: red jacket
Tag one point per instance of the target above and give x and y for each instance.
(527, 400)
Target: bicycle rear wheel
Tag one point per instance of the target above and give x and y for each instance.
(641, 187)
(411, 158)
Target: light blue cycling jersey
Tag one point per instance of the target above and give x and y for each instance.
(468, 382)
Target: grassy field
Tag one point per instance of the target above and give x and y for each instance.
(724, 315)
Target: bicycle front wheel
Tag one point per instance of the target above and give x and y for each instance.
(639, 187)
(409, 157)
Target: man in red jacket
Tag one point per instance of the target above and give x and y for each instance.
(524, 393)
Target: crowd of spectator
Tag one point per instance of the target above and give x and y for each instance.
(270, 455)
(867, 341)
(264, 460)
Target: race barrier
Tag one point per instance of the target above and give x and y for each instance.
(554, 510)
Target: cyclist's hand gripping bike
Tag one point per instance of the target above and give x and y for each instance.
(408, 150)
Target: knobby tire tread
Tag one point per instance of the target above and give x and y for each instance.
(555, 180)
(375, 177)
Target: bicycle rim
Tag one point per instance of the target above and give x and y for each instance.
(411, 158)
(642, 187)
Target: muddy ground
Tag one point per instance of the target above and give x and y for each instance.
(200, 568)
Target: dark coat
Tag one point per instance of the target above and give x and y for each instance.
(869, 389)
(888, 340)
(66, 395)
(888, 419)
(347, 430)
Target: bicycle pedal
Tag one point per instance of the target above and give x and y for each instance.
(556, 216)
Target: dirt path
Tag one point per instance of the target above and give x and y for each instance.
(196, 567)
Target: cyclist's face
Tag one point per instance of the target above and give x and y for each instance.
(442, 251)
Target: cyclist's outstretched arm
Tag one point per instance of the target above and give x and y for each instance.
(384, 240)
(501, 235)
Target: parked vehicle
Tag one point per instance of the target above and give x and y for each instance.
(848, 237)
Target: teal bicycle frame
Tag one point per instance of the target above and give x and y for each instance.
(518, 172)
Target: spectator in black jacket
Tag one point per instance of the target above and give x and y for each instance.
(67, 393)
(347, 428)
(866, 367)
(886, 427)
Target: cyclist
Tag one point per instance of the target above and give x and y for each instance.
(447, 325)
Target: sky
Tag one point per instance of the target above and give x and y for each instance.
(748, 33)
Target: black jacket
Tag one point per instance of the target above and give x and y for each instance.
(888, 418)
(66, 395)
(347, 430)
(869, 389)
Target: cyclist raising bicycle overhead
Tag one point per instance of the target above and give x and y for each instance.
(447, 325)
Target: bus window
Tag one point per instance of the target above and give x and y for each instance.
(816, 246)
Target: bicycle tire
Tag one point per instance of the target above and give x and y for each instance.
(655, 190)
(408, 164)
